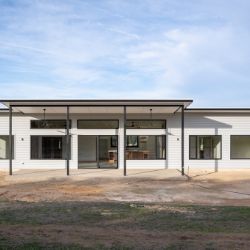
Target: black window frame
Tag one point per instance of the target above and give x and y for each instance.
(156, 159)
(52, 159)
(41, 120)
(150, 120)
(97, 120)
(231, 158)
(13, 148)
(196, 153)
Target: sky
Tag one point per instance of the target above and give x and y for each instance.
(126, 49)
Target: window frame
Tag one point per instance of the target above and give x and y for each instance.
(231, 158)
(53, 159)
(79, 120)
(163, 120)
(13, 148)
(156, 159)
(70, 123)
(211, 159)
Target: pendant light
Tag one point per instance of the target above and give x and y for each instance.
(151, 116)
(44, 123)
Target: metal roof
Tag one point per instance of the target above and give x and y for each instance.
(104, 105)
(218, 110)
(99, 102)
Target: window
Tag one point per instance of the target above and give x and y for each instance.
(205, 147)
(146, 147)
(98, 124)
(4, 147)
(133, 141)
(146, 124)
(49, 147)
(240, 146)
(49, 124)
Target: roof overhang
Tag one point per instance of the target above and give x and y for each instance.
(97, 106)
(31, 103)
(217, 110)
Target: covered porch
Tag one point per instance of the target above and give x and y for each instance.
(124, 108)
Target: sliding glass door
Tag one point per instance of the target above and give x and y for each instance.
(97, 151)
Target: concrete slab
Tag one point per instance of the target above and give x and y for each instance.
(34, 175)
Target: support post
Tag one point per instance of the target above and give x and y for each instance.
(125, 140)
(182, 140)
(10, 140)
(67, 141)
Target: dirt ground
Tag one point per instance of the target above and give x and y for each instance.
(212, 188)
(148, 209)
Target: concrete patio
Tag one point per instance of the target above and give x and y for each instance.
(33, 175)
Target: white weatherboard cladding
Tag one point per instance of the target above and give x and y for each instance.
(22, 133)
(217, 124)
(195, 124)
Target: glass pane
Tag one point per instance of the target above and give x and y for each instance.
(217, 147)
(36, 147)
(132, 141)
(98, 124)
(149, 147)
(49, 147)
(146, 124)
(49, 124)
(97, 151)
(160, 147)
(4, 147)
(107, 153)
(87, 151)
(240, 147)
(205, 147)
(192, 148)
(52, 148)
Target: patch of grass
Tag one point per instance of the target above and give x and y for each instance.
(40, 246)
(35, 245)
(167, 218)
(151, 218)
(66, 213)
(180, 246)
(199, 219)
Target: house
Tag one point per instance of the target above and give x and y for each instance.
(159, 134)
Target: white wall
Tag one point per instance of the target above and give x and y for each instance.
(195, 124)
(217, 124)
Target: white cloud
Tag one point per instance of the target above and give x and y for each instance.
(181, 55)
(122, 49)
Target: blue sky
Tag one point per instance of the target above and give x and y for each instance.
(126, 49)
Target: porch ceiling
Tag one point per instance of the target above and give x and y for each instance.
(96, 110)
(96, 106)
